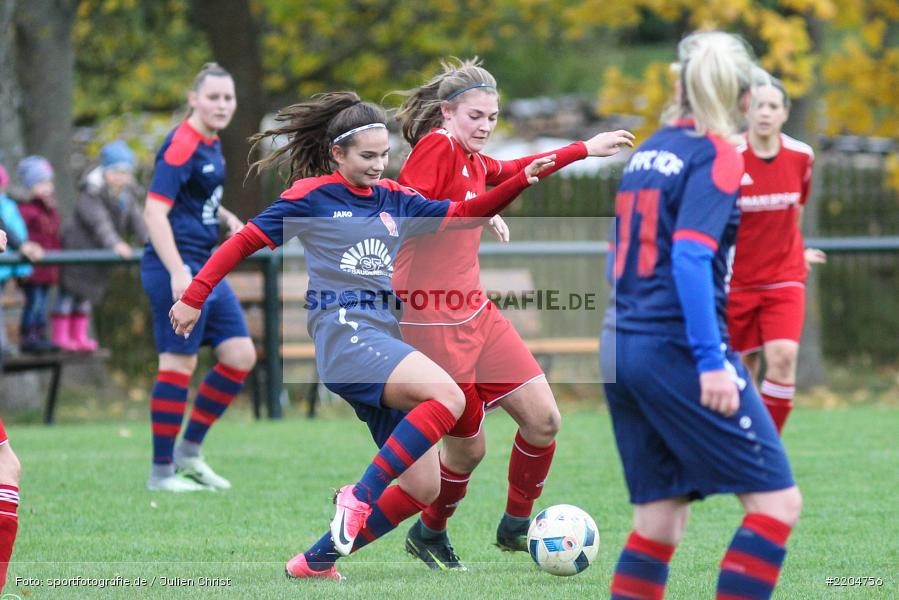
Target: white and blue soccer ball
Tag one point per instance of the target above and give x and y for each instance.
(563, 540)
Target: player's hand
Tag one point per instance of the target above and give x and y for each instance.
(122, 249)
(183, 318)
(179, 282)
(2, 241)
(609, 142)
(813, 256)
(233, 224)
(500, 228)
(32, 251)
(719, 392)
(538, 166)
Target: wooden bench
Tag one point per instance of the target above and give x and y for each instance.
(297, 347)
(12, 298)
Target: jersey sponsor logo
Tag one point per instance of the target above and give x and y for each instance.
(209, 168)
(666, 163)
(768, 202)
(210, 214)
(369, 257)
(464, 170)
(390, 224)
(340, 214)
(746, 180)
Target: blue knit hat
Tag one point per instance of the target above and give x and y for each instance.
(117, 156)
(33, 170)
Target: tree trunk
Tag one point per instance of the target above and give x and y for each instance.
(802, 124)
(12, 147)
(233, 37)
(45, 63)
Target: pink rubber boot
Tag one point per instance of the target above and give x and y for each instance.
(80, 338)
(61, 326)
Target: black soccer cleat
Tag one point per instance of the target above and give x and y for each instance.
(437, 554)
(512, 536)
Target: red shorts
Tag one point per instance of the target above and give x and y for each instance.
(756, 317)
(3, 438)
(485, 356)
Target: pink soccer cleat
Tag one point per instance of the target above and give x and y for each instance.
(298, 568)
(349, 519)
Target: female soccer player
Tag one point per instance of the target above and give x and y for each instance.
(448, 121)
(686, 420)
(352, 223)
(183, 215)
(766, 303)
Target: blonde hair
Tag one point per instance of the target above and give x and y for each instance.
(715, 69)
(420, 111)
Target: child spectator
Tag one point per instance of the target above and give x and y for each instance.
(106, 211)
(42, 220)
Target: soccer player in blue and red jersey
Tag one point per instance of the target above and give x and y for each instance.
(183, 215)
(448, 121)
(352, 223)
(766, 303)
(687, 420)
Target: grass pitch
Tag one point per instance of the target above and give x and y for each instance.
(85, 514)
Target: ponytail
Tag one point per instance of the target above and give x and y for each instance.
(312, 128)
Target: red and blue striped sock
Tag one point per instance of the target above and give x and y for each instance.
(751, 566)
(214, 395)
(392, 508)
(411, 438)
(167, 402)
(642, 569)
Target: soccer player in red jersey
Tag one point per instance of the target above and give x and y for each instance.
(448, 121)
(351, 223)
(766, 303)
(9, 487)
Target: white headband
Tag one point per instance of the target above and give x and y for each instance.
(347, 134)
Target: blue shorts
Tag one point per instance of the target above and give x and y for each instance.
(355, 358)
(221, 318)
(670, 445)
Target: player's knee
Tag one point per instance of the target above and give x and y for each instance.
(10, 467)
(543, 428)
(791, 506)
(453, 399)
(782, 362)
(468, 459)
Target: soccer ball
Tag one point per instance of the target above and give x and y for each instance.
(563, 540)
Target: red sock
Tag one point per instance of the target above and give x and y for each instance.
(778, 399)
(528, 468)
(392, 508)
(453, 486)
(642, 569)
(9, 525)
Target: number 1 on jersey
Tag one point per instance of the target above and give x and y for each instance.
(646, 203)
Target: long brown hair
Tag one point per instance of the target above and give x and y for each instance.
(420, 111)
(311, 128)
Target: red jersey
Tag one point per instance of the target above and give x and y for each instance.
(447, 262)
(769, 248)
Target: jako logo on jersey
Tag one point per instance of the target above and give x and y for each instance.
(211, 207)
(368, 257)
(746, 180)
(666, 163)
(390, 224)
(338, 214)
(209, 168)
(464, 171)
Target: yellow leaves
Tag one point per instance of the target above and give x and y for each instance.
(873, 33)
(645, 96)
(892, 169)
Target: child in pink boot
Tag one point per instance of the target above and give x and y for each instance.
(107, 210)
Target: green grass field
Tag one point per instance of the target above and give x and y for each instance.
(85, 513)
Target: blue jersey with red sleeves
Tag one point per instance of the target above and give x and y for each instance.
(351, 237)
(677, 186)
(189, 176)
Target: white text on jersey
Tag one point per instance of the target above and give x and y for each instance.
(666, 163)
(339, 214)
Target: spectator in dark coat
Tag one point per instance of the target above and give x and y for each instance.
(42, 220)
(107, 211)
